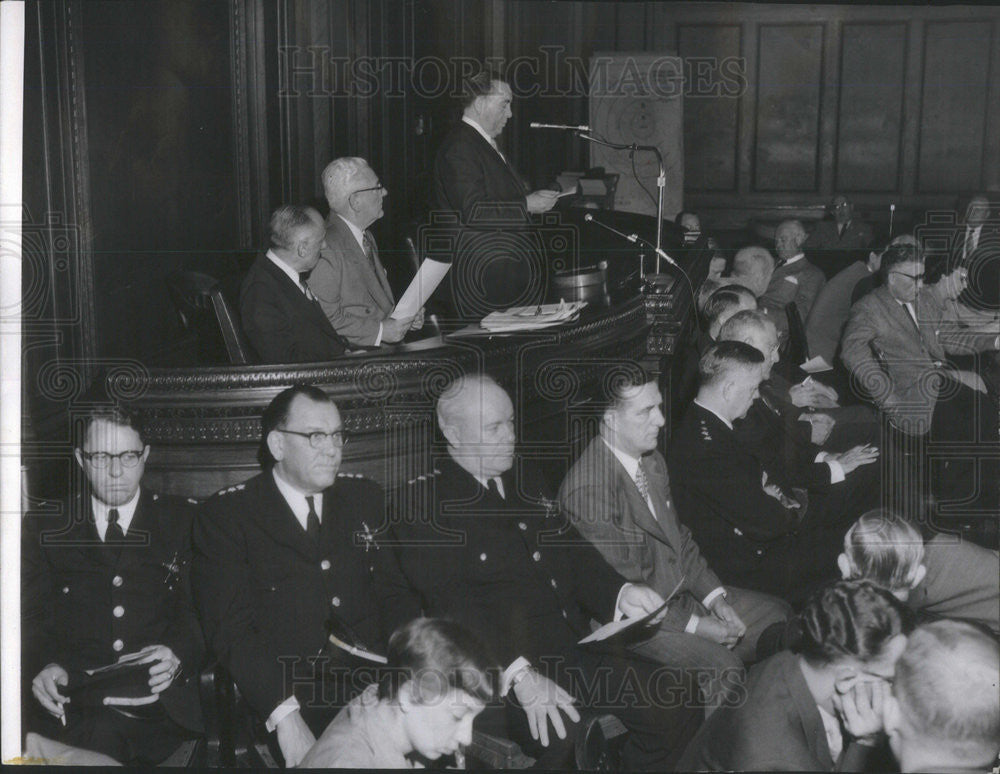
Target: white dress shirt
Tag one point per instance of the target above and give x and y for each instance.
(125, 514)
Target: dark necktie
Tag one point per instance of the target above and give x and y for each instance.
(312, 520)
(304, 283)
(494, 489)
(114, 532)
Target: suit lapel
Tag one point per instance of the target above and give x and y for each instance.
(374, 277)
(638, 507)
(658, 484)
(293, 293)
(491, 153)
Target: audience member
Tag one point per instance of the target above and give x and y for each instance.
(281, 318)
(349, 280)
(975, 224)
(795, 279)
(835, 244)
(867, 284)
(106, 576)
(477, 542)
(944, 710)
(885, 550)
(618, 496)
(829, 313)
(437, 680)
(753, 268)
(817, 707)
(896, 345)
(723, 304)
(288, 557)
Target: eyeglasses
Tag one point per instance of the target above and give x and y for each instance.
(317, 438)
(377, 187)
(914, 277)
(128, 459)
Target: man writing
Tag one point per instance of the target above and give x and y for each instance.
(349, 280)
(108, 577)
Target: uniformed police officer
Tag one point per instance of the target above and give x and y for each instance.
(481, 540)
(105, 577)
(283, 554)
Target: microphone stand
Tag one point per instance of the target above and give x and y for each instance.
(661, 183)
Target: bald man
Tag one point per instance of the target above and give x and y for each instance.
(795, 280)
(752, 268)
(944, 711)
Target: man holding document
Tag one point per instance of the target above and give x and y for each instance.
(349, 281)
(618, 496)
(478, 539)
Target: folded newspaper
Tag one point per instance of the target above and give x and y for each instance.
(529, 318)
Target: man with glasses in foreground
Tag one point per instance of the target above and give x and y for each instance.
(106, 578)
(349, 281)
(286, 559)
(896, 344)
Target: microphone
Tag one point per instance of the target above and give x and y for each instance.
(581, 128)
(632, 238)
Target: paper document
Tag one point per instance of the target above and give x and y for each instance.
(816, 365)
(528, 318)
(424, 283)
(613, 628)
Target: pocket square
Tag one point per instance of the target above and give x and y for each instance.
(793, 280)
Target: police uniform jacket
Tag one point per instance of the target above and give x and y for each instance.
(745, 534)
(85, 603)
(511, 570)
(265, 590)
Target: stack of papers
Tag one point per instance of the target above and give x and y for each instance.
(529, 318)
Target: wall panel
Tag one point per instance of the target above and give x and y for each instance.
(789, 75)
(870, 106)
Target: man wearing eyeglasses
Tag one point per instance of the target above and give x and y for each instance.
(897, 343)
(106, 578)
(283, 556)
(349, 281)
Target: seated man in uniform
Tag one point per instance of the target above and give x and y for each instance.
(944, 710)
(349, 281)
(479, 542)
(618, 497)
(281, 318)
(288, 556)
(836, 243)
(106, 577)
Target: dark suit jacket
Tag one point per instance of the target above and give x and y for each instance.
(908, 392)
(510, 570)
(265, 591)
(498, 261)
(746, 535)
(831, 251)
(777, 728)
(280, 323)
(355, 296)
(800, 282)
(602, 501)
(71, 583)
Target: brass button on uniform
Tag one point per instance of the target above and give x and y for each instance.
(118, 611)
(118, 646)
(117, 581)
(335, 601)
(324, 565)
(537, 556)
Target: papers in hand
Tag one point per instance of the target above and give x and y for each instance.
(529, 318)
(423, 284)
(816, 365)
(615, 627)
(359, 652)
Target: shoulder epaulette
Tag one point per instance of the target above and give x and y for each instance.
(424, 477)
(234, 488)
(349, 475)
(706, 434)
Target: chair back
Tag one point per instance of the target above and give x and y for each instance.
(225, 302)
(190, 292)
(797, 346)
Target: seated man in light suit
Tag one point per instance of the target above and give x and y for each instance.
(794, 280)
(349, 281)
(618, 497)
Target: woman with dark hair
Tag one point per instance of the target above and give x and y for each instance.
(817, 707)
(437, 680)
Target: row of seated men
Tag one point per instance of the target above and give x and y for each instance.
(260, 575)
(917, 338)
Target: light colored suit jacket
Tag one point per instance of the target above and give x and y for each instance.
(605, 506)
(907, 382)
(354, 296)
(831, 309)
(799, 282)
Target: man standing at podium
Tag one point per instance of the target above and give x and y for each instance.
(496, 263)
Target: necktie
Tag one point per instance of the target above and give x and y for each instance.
(494, 489)
(304, 282)
(641, 483)
(368, 242)
(114, 532)
(312, 520)
(970, 242)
